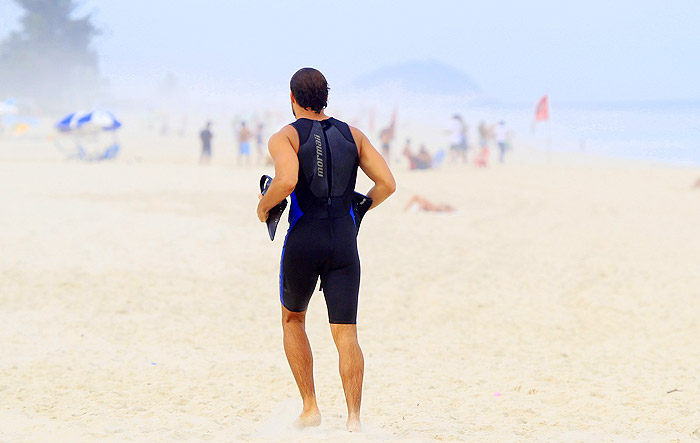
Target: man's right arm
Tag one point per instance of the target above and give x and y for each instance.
(286, 170)
(374, 165)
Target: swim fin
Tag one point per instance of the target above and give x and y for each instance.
(275, 214)
(360, 206)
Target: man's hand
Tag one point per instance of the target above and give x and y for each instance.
(262, 215)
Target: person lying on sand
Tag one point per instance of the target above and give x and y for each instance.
(418, 203)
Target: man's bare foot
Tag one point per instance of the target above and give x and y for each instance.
(353, 424)
(308, 419)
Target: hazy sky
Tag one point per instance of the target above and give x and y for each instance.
(594, 50)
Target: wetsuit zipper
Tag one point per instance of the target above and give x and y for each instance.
(330, 167)
(329, 177)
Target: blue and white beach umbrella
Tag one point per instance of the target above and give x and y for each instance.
(8, 107)
(101, 119)
(93, 135)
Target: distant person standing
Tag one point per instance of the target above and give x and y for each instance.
(205, 135)
(502, 140)
(484, 137)
(244, 136)
(458, 138)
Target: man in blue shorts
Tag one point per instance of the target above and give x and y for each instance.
(244, 136)
(316, 160)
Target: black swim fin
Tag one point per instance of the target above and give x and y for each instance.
(275, 214)
(360, 206)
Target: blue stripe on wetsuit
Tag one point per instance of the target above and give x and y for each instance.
(295, 211)
(295, 214)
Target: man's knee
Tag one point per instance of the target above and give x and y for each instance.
(291, 317)
(344, 334)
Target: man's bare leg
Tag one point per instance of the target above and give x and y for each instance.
(352, 367)
(301, 362)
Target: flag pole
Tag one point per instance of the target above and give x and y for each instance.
(549, 141)
(542, 115)
(549, 132)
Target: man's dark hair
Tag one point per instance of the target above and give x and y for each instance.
(310, 89)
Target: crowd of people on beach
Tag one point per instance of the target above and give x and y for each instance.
(243, 136)
(490, 136)
(460, 149)
(248, 138)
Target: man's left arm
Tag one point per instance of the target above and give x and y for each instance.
(286, 172)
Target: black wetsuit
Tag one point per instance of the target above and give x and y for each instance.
(322, 237)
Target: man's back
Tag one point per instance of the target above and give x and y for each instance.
(321, 241)
(328, 161)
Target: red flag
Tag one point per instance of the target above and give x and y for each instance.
(542, 109)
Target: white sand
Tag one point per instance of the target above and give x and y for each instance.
(139, 301)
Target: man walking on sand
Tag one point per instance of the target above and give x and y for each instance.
(316, 160)
(244, 136)
(205, 135)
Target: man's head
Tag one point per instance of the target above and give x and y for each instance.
(309, 90)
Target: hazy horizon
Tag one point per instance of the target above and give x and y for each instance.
(597, 52)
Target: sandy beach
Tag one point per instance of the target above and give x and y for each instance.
(139, 302)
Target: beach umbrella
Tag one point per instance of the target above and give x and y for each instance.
(8, 107)
(93, 120)
(89, 136)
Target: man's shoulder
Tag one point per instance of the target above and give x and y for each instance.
(286, 133)
(287, 129)
(357, 134)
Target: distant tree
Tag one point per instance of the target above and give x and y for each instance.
(50, 60)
